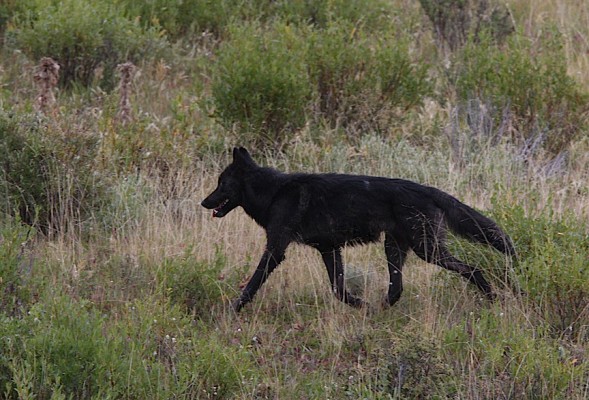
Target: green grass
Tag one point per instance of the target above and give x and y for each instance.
(121, 287)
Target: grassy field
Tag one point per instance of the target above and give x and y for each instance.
(116, 283)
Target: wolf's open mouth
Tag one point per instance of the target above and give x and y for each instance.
(219, 207)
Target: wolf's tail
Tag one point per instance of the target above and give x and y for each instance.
(469, 223)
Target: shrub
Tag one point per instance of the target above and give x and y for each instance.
(455, 20)
(46, 179)
(500, 359)
(7, 9)
(266, 81)
(552, 266)
(532, 82)
(23, 170)
(373, 15)
(217, 369)
(57, 350)
(14, 266)
(12, 331)
(197, 286)
(360, 78)
(83, 36)
(178, 17)
(411, 368)
(260, 82)
(64, 348)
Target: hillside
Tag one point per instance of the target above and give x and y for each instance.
(116, 118)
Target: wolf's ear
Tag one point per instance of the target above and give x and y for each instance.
(242, 156)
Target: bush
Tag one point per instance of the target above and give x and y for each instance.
(217, 369)
(373, 15)
(178, 17)
(552, 266)
(267, 80)
(532, 82)
(500, 359)
(57, 350)
(360, 79)
(23, 170)
(14, 267)
(65, 348)
(455, 20)
(198, 287)
(7, 10)
(45, 179)
(86, 38)
(412, 368)
(260, 82)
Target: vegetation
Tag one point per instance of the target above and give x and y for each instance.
(115, 283)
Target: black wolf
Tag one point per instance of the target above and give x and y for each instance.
(328, 211)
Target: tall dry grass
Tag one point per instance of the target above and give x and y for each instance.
(295, 325)
(572, 21)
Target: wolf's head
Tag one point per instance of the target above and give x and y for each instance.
(229, 191)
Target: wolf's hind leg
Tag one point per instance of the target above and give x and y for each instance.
(396, 252)
(438, 254)
(335, 270)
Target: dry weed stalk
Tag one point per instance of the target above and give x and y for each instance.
(126, 71)
(46, 76)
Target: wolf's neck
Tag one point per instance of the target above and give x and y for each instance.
(260, 189)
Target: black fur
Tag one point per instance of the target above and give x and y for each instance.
(328, 211)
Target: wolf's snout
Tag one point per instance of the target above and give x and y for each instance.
(207, 203)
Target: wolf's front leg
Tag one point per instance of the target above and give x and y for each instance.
(270, 260)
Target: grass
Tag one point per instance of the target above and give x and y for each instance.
(128, 297)
(159, 288)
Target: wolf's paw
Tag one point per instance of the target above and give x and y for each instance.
(354, 301)
(390, 299)
(491, 296)
(237, 304)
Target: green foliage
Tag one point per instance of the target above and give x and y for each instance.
(61, 352)
(411, 368)
(46, 179)
(178, 17)
(14, 266)
(260, 83)
(198, 286)
(267, 81)
(455, 20)
(140, 144)
(511, 359)
(552, 266)
(164, 14)
(168, 355)
(7, 10)
(532, 82)
(215, 369)
(83, 36)
(359, 78)
(373, 15)
(65, 348)
(23, 169)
